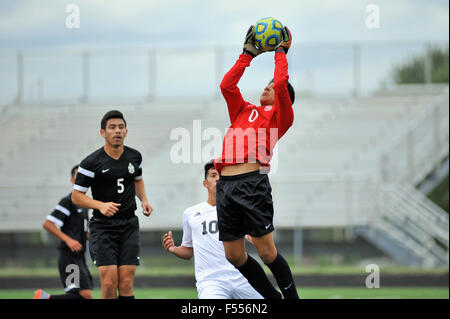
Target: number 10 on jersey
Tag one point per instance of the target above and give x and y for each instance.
(212, 227)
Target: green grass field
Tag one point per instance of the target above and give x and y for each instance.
(172, 267)
(177, 270)
(305, 293)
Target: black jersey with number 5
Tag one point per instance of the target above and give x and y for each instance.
(111, 180)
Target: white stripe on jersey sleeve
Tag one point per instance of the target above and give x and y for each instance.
(138, 178)
(62, 209)
(86, 172)
(80, 188)
(140, 166)
(57, 221)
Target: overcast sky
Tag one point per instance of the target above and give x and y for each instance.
(33, 23)
(335, 25)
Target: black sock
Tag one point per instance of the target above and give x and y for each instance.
(282, 273)
(258, 279)
(69, 295)
(125, 297)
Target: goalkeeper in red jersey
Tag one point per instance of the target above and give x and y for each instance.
(244, 200)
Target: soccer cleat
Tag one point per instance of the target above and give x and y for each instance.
(41, 294)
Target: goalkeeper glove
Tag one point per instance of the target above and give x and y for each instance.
(249, 43)
(286, 40)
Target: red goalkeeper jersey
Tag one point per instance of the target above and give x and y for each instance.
(254, 130)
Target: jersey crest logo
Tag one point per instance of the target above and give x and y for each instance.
(131, 168)
(268, 108)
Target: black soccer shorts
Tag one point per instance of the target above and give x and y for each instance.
(70, 265)
(114, 241)
(244, 206)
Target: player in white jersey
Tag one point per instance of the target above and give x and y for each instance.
(216, 277)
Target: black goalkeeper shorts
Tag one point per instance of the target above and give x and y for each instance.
(114, 241)
(244, 206)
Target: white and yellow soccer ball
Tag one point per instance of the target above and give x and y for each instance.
(268, 33)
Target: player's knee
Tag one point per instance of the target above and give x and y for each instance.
(109, 285)
(267, 254)
(125, 285)
(236, 259)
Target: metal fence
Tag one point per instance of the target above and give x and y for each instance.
(133, 75)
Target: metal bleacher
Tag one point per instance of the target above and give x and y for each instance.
(332, 168)
(35, 170)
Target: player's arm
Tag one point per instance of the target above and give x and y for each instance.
(228, 86)
(56, 220)
(83, 181)
(141, 194)
(283, 105)
(82, 200)
(179, 251)
(185, 250)
(51, 227)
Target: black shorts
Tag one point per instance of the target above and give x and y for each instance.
(73, 271)
(114, 241)
(244, 206)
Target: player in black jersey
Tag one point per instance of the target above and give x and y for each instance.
(114, 174)
(73, 232)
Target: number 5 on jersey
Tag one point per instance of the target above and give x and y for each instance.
(120, 185)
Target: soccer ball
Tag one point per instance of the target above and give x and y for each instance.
(268, 33)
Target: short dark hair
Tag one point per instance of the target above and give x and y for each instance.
(72, 171)
(290, 90)
(114, 114)
(208, 166)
